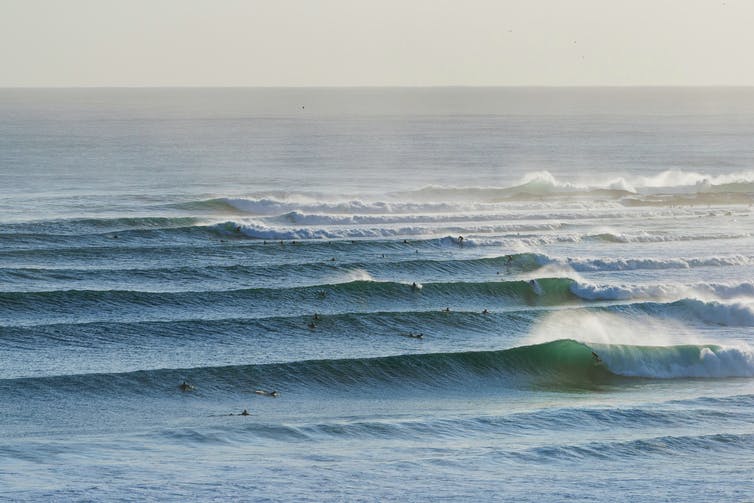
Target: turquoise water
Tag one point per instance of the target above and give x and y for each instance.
(589, 338)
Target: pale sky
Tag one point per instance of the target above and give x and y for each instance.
(375, 42)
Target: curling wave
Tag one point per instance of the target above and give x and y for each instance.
(561, 363)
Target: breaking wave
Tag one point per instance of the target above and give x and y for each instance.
(561, 363)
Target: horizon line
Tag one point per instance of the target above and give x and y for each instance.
(443, 86)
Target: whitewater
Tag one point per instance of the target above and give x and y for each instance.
(457, 294)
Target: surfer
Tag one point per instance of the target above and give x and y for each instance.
(273, 393)
(485, 311)
(311, 325)
(460, 240)
(245, 412)
(446, 310)
(596, 357)
(536, 287)
(414, 286)
(186, 386)
(413, 335)
(316, 317)
(508, 260)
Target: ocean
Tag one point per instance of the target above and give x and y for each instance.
(457, 294)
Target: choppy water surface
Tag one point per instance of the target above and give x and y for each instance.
(460, 294)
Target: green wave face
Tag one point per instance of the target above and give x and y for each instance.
(561, 365)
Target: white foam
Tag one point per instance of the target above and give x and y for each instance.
(586, 264)
(589, 291)
(680, 361)
(731, 314)
(670, 291)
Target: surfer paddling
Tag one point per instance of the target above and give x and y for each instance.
(412, 335)
(273, 393)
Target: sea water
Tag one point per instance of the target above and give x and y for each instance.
(458, 294)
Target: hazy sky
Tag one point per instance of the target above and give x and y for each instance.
(375, 42)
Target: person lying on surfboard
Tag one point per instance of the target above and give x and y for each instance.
(272, 393)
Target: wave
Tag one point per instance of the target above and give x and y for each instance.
(646, 237)
(731, 314)
(262, 230)
(386, 324)
(505, 233)
(673, 187)
(440, 232)
(734, 195)
(81, 226)
(154, 277)
(534, 185)
(584, 264)
(699, 181)
(677, 361)
(559, 364)
(554, 287)
(523, 423)
(596, 292)
(23, 306)
(299, 218)
(271, 206)
(123, 253)
(91, 305)
(544, 183)
(669, 446)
